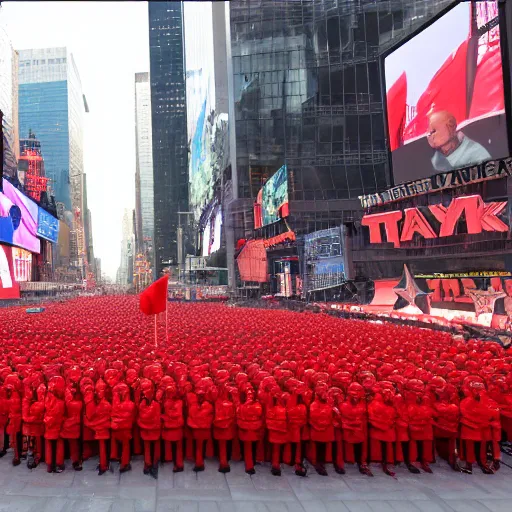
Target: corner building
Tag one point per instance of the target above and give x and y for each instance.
(169, 127)
(307, 93)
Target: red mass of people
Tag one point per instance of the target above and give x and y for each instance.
(85, 378)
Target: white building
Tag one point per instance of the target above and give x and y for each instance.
(125, 270)
(144, 201)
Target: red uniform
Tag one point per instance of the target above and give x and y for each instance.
(149, 421)
(224, 421)
(250, 425)
(33, 423)
(72, 424)
(123, 416)
(173, 421)
(55, 409)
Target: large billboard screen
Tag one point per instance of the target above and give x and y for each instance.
(444, 94)
(9, 288)
(47, 226)
(274, 198)
(18, 219)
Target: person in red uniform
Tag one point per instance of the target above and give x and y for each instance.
(477, 413)
(337, 397)
(382, 417)
(33, 423)
(55, 409)
(250, 423)
(354, 418)
(149, 421)
(87, 391)
(297, 415)
(224, 421)
(98, 413)
(200, 418)
(73, 418)
(123, 416)
(133, 382)
(277, 426)
(13, 392)
(173, 420)
(321, 427)
(421, 431)
(446, 419)
(4, 410)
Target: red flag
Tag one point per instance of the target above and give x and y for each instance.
(397, 98)
(153, 299)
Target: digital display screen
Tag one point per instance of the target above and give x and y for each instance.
(275, 197)
(9, 288)
(22, 264)
(47, 226)
(18, 219)
(444, 94)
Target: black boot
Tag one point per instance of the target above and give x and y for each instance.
(154, 472)
(126, 468)
(300, 470)
(413, 469)
(364, 469)
(320, 469)
(276, 471)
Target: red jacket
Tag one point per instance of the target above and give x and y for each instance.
(321, 422)
(354, 421)
(277, 424)
(73, 416)
(54, 416)
(33, 417)
(382, 420)
(250, 421)
(149, 420)
(123, 415)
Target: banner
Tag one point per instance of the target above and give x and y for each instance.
(9, 288)
(444, 180)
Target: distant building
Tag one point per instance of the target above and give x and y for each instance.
(125, 270)
(144, 200)
(51, 104)
(169, 127)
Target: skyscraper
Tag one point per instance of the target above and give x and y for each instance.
(306, 92)
(125, 270)
(169, 127)
(51, 104)
(144, 201)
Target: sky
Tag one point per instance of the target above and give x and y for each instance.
(110, 43)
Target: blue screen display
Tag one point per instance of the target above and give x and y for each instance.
(47, 226)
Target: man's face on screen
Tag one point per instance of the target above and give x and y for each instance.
(442, 130)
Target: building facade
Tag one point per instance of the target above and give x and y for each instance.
(125, 271)
(144, 201)
(51, 105)
(306, 93)
(169, 127)
(9, 104)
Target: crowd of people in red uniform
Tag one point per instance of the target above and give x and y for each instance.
(86, 377)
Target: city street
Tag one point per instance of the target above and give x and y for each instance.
(23, 490)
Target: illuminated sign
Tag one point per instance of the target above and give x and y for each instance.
(22, 264)
(47, 226)
(478, 216)
(463, 275)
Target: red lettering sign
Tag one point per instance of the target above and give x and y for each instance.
(478, 216)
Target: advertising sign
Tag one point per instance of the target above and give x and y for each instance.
(274, 197)
(22, 265)
(445, 96)
(18, 219)
(9, 288)
(47, 226)
(437, 220)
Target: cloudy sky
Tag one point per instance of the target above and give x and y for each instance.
(109, 41)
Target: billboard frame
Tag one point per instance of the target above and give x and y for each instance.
(505, 64)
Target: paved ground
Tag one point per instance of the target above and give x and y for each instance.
(23, 490)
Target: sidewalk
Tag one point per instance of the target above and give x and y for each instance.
(22, 490)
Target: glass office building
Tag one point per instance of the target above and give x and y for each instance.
(144, 201)
(51, 105)
(169, 126)
(307, 93)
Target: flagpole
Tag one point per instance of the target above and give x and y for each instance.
(166, 320)
(156, 339)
